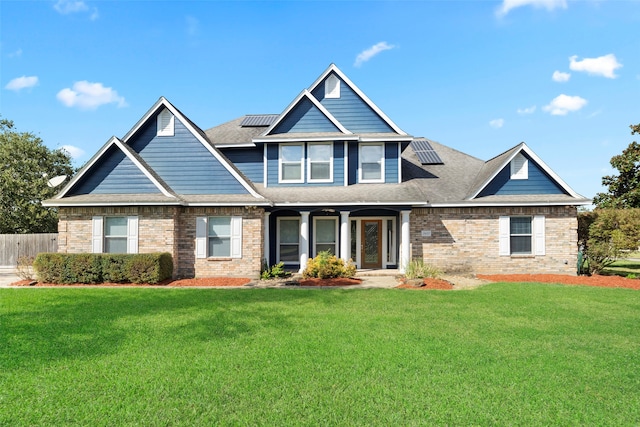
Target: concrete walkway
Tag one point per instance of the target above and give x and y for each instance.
(7, 276)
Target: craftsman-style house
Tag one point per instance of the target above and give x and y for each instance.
(330, 172)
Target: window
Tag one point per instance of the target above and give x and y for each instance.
(219, 237)
(522, 235)
(165, 123)
(371, 163)
(290, 162)
(519, 167)
(289, 240)
(332, 87)
(326, 232)
(114, 234)
(320, 162)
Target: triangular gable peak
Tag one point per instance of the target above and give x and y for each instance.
(158, 109)
(95, 162)
(515, 161)
(305, 114)
(333, 100)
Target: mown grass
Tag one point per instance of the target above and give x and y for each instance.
(624, 268)
(516, 354)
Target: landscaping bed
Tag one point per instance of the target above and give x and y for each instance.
(595, 280)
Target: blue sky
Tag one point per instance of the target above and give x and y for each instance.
(478, 76)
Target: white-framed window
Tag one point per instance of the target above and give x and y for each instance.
(114, 234)
(522, 235)
(290, 163)
(165, 123)
(320, 161)
(332, 87)
(325, 235)
(371, 162)
(288, 240)
(219, 237)
(519, 167)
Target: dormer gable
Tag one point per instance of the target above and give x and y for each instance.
(165, 123)
(520, 171)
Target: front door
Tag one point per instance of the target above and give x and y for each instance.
(371, 248)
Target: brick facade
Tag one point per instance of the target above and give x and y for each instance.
(169, 229)
(467, 239)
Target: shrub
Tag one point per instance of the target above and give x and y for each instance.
(24, 268)
(611, 232)
(275, 271)
(327, 266)
(417, 269)
(99, 268)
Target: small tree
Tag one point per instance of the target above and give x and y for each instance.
(26, 165)
(611, 232)
(624, 188)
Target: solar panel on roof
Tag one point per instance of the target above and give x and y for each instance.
(425, 152)
(258, 120)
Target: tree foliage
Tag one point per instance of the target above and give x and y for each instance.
(26, 165)
(606, 234)
(624, 188)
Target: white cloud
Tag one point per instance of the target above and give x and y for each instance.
(497, 123)
(528, 110)
(367, 54)
(70, 6)
(604, 66)
(89, 96)
(560, 77)
(508, 5)
(23, 82)
(74, 152)
(563, 104)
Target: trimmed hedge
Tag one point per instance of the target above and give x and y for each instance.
(103, 268)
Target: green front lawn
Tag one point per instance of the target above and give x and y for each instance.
(523, 354)
(624, 268)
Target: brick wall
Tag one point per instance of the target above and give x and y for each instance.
(170, 229)
(466, 240)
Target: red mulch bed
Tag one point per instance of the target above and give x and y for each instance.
(429, 284)
(204, 282)
(338, 281)
(595, 280)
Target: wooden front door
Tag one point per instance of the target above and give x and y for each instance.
(371, 248)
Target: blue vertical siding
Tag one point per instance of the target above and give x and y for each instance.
(537, 183)
(353, 163)
(114, 173)
(183, 162)
(338, 168)
(351, 111)
(305, 117)
(248, 160)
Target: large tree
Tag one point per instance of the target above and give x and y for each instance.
(624, 188)
(26, 166)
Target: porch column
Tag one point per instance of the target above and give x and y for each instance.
(345, 238)
(304, 239)
(405, 241)
(266, 245)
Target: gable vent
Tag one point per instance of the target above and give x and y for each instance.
(166, 123)
(258, 120)
(332, 87)
(519, 167)
(425, 152)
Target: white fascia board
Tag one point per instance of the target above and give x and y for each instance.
(309, 139)
(293, 104)
(235, 204)
(524, 147)
(94, 204)
(505, 204)
(389, 138)
(238, 145)
(405, 203)
(365, 98)
(165, 103)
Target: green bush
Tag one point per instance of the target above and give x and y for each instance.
(327, 266)
(275, 271)
(417, 269)
(99, 268)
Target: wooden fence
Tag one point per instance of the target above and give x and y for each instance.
(13, 246)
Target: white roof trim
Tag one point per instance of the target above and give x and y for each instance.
(237, 145)
(88, 204)
(405, 203)
(164, 102)
(114, 141)
(307, 139)
(305, 94)
(505, 204)
(365, 98)
(524, 147)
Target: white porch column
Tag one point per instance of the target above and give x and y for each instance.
(345, 237)
(405, 240)
(265, 238)
(304, 240)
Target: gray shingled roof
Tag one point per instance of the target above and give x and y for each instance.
(231, 133)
